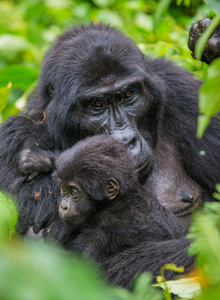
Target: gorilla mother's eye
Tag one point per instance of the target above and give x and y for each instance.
(97, 102)
(128, 94)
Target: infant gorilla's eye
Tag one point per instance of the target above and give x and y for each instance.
(63, 190)
(74, 193)
(128, 94)
(98, 103)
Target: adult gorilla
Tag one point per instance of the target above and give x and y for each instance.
(94, 80)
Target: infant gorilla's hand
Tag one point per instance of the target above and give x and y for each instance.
(212, 48)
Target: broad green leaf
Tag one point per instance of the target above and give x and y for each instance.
(35, 270)
(4, 95)
(8, 211)
(209, 97)
(13, 216)
(186, 288)
(20, 76)
(143, 289)
(214, 5)
(218, 187)
(203, 122)
(217, 195)
(206, 245)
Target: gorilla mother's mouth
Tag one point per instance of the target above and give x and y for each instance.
(144, 166)
(188, 209)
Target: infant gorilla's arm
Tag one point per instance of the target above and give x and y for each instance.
(31, 163)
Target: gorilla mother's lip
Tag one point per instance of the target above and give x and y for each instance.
(188, 209)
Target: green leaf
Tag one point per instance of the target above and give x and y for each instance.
(217, 195)
(206, 245)
(20, 76)
(143, 288)
(8, 212)
(203, 122)
(4, 95)
(209, 97)
(217, 186)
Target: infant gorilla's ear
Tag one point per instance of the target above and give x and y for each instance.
(113, 188)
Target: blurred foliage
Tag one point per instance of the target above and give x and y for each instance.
(206, 246)
(37, 269)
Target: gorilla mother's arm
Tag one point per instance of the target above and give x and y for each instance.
(122, 268)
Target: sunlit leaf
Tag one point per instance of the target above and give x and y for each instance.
(20, 76)
(4, 95)
(209, 97)
(143, 289)
(8, 212)
(186, 288)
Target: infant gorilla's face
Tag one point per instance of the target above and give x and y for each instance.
(74, 207)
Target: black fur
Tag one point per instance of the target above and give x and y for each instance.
(92, 62)
(122, 268)
(113, 228)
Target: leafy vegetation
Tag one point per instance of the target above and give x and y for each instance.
(37, 270)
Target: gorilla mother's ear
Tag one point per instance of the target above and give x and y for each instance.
(112, 188)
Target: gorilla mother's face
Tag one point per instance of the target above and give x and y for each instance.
(101, 86)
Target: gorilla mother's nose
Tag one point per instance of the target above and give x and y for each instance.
(186, 196)
(129, 137)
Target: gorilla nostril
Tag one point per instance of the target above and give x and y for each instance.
(186, 197)
(132, 143)
(64, 205)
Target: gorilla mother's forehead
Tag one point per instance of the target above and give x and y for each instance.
(112, 85)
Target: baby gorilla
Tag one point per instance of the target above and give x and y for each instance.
(102, 198)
